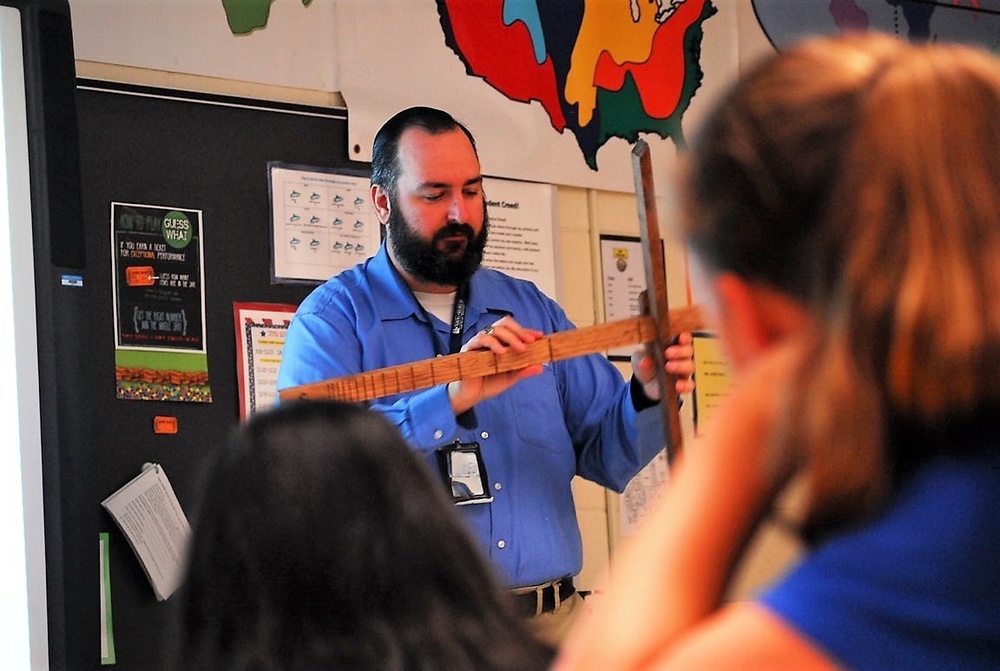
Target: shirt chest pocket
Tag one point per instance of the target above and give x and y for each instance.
(538, 412)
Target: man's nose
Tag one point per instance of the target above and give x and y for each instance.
(459, 210)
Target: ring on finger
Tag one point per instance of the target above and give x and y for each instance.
(488, 330)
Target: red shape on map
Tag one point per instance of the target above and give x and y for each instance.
(504, 55)
(660, 79)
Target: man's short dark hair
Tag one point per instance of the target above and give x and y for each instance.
(385, 148)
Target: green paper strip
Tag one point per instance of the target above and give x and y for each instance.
(107, 626)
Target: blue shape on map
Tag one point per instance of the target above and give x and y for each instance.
(527, 11)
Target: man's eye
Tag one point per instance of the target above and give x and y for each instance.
(433, 196)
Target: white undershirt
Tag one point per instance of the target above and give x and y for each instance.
(439, 305)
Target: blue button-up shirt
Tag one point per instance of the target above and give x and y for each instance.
(576, 418)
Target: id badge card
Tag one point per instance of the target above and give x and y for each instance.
(464, 473)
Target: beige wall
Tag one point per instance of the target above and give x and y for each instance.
(583, 216)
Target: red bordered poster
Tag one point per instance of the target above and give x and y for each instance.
(260, 340)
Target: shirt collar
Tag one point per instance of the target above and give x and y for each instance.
(396, 301)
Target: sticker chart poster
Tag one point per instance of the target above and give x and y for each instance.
(322, 222)
(260, 340)
(159, 286)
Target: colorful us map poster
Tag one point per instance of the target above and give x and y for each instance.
(159, 301)
(554, 92)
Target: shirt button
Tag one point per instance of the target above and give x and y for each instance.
(497, 486)
(484, 435)
(438, 434)
(501, 544)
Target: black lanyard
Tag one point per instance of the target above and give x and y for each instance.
(468, 418)
(458, 318)
(458, 308)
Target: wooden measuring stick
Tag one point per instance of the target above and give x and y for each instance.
(656, 329)
(477, 363)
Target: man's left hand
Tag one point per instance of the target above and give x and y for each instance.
(679, 366)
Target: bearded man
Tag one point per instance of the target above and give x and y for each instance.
(513, 441)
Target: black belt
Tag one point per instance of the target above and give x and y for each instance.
(543, 599)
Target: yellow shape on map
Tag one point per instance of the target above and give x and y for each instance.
(607, 26)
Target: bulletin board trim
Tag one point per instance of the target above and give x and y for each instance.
(141, 90)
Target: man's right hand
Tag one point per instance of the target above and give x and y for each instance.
(501, 336)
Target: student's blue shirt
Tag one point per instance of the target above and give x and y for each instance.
(576, 418)
(916, 588)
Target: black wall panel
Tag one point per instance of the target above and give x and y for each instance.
(148, 146)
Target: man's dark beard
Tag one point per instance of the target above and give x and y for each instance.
(425, 262)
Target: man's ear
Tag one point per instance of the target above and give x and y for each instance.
(753, 317)
(382, 203)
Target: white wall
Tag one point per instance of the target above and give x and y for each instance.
(297, 49)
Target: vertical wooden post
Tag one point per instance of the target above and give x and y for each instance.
(656, 293)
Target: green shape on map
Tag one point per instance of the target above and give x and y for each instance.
(622, 112)
(623, 117)
(246, 16)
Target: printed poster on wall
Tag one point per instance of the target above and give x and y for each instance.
(322, 222)
(159, 286)
(712, 379)
(623, 273)
(260, 341)
(522, 239)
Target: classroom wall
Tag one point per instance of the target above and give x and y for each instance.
(166, 44)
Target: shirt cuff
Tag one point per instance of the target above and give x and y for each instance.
(436, 425)
(639, 399)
